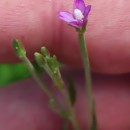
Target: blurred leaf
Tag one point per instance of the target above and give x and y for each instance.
(12, 72)
(72, 91)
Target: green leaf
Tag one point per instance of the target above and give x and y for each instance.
(72, 91)
(19, 48)
(12, 72)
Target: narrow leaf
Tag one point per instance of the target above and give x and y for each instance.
(72, 91)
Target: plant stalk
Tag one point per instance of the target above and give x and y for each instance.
(72, 116)
(86, 63)
(43, 86)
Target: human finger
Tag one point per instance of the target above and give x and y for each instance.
(25, 106)
(36, 24)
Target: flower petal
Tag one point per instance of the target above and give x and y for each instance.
(79, 4)
(66, 16)
(77, 24)
(86, 12)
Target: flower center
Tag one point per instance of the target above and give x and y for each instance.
(78, 14)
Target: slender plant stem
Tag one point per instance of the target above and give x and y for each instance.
(43, 86)
(86, 63)
(36, 76)
(72, 116)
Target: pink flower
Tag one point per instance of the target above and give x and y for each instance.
(80, 14)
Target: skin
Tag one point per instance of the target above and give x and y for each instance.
(23, 106)
(107, 35)
(35, 23)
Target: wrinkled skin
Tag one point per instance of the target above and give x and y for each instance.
(23, 106)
